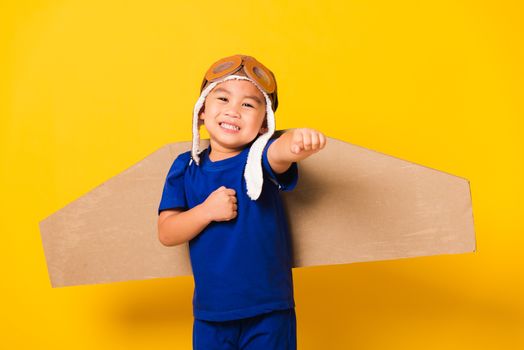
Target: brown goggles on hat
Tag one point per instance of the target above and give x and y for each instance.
(254, 70)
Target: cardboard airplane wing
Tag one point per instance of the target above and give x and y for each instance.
(351, 204)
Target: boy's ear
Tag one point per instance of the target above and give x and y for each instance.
(201, 116)
(263, 128)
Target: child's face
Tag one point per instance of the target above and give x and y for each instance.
(236, 102)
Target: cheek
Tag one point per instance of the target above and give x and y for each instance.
(213, 108)
(263, 118)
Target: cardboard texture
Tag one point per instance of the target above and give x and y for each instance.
(351, 204)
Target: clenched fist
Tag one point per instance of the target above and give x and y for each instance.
(221, 204)
(307, 141)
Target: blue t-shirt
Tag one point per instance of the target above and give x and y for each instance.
(241, 267)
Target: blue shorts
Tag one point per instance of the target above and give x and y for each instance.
(275, 330)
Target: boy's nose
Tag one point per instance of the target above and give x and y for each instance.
(233, 113)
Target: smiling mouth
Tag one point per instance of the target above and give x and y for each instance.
(229, 126)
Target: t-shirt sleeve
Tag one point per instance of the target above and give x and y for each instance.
(285, 181)
(173, 195)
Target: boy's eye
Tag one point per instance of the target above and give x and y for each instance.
(221, 98)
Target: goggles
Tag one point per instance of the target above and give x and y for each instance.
(251, 67)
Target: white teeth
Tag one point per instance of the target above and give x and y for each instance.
(229, 126)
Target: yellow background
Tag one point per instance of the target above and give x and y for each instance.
(89, 88)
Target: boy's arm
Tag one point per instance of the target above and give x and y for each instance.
(176, 226)
(293, 146)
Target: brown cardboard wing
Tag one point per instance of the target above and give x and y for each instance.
(350, 205)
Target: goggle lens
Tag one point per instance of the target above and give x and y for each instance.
(223, 67)
(256, 71)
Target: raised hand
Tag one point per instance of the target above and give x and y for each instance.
(307, 141)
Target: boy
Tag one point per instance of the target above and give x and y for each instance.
(225, 202)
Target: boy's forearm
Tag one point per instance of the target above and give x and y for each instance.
(182, 227)
(279, 153)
